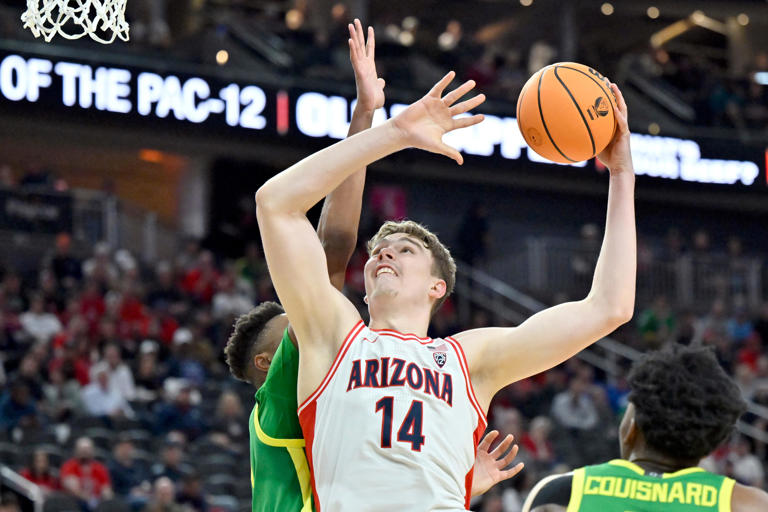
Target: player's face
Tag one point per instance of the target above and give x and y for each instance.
(399, 266)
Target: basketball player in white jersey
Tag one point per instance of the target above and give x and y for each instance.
(391, 418)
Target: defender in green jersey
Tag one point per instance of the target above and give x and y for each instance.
(682, 406)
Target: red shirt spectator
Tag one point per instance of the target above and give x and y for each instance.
(84, 476)
(40, 472)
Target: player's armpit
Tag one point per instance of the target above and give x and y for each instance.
(319, 314)
(499, 356)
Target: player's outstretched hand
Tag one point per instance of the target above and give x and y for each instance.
(370, 88)
(617, 156)
(424, 123)
(490, 465)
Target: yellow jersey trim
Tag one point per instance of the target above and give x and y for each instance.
(629, 465)
(726, 491)
(302, 473)
(295, 448)
(273, 441)
(577, 490)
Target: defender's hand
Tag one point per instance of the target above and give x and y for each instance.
(489, 466)
(370, 88)
(423, 124)
(617, 155)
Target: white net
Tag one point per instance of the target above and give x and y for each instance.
(102, 20)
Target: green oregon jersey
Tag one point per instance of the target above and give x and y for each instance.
(279, 469)
(621, 486)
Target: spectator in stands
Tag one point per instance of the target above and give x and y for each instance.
(747, 468)
(120, 376)
(29, 374)
(183, 362)
(575, 411)
(170, 465)
(229, 302)
(164, 497)
(12, 294)
(538, 445)
(62, 396)
(130, 479)
(92, 305)
(473, 238)
(84, 477)
(17, 408)
(199, 282)
(9, 503)
(191, 493)
(252, 266)
(37, 323)
(99, 268)
(164, 294)
(149, 374)
(181, 415)
(39, 472)
(656, 323)
(66, 267)
(739, 326)
(101, 399)
(229, 417)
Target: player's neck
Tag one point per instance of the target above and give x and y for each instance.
(406, 322)
(655, 462)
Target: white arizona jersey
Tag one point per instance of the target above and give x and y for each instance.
(393, 426)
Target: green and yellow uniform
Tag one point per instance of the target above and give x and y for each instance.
(621, 486)
(279, 469)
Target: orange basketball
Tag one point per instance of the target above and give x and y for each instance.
(565, 112)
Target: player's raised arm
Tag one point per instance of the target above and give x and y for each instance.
(340, 217)
(500, 356)
(320, 315)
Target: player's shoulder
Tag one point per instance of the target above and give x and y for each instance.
(746, 498)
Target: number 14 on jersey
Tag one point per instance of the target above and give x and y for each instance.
(410, 429)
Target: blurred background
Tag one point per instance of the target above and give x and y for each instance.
(128, 239)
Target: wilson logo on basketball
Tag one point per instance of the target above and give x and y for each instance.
(600, 107)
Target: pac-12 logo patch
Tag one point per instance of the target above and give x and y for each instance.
(439, 358)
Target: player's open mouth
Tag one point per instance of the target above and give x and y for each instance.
(384, 269)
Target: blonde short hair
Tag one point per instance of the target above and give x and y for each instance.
(443, 265)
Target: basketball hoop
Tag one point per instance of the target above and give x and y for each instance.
(102, 20)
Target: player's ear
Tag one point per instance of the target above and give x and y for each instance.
(438, 289)
(262, 360)
(630, 436)
(365, 299)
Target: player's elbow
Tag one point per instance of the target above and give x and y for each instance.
(618, 316)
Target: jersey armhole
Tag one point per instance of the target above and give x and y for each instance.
(359, 326)
(465, 370)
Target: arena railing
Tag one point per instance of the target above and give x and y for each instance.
(692, 281)
(22, 488)
(510, 306)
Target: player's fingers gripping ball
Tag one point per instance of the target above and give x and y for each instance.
(566, 112)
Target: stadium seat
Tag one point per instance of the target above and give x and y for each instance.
(115, 505)
(219, 484)
(11, 454)
(223, 502)
(61, 503)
